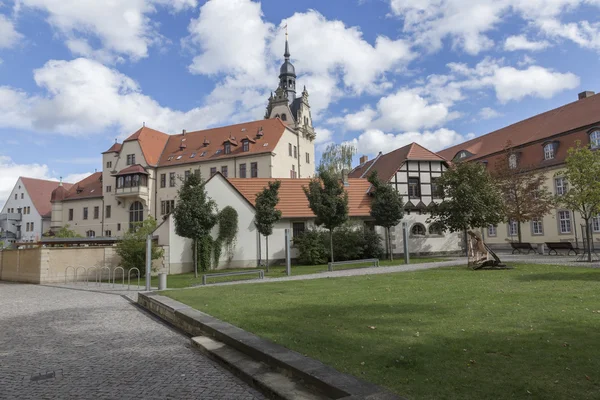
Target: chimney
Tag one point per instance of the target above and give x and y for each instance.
(364, 159)
(586, 94)
(184, 132)
(345, 177)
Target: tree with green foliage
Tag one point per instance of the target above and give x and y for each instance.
(523, 190)
(228, 230)
(583, 175)
(195, 215)
(328, 200)
(132, 247)
(471, 199)
(266, 213)
(66, 232)
(336, 158)
(387, 207)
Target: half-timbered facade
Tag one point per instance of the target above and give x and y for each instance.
(413, 171)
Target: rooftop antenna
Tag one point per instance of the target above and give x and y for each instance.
(144, 124)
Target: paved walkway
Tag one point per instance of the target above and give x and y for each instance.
(457, 261)
(58, 344)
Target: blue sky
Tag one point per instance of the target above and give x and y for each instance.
(76, 74)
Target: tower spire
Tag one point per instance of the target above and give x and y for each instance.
(287, 46)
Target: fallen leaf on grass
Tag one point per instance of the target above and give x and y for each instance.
(372, 327)
(588, 378)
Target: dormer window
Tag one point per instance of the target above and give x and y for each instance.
(227, 148)
(245, 145)
(549, 151)
(512, 161)
(595, 139)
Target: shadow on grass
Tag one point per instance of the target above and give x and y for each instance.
(561, 276)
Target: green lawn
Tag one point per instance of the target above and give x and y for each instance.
(451, 333)
(187, 279)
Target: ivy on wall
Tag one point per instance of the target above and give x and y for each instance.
(228, 230)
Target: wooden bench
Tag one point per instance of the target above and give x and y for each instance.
(518, 247)
(374, 261)
(555, 246)
(260, 272)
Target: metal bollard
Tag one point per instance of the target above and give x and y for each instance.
(162, 281)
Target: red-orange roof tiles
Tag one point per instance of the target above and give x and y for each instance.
(292, 200)
(581, 113)
(210, 142)
(115, 148)
(40, 192)
(88, 188)
(132, 169)
(152, 143)
(386, 165)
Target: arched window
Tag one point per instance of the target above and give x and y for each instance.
(283, 117)
(512, 161)
(136, 215)
(436, 229)
(595, 139)
(276, 115)
(90, 234)
(291, 83)
(549, 151)
(417, 230)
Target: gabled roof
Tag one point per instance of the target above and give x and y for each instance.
(152, 143)
(210, 142)
(40, 192)
(292, 200)
(132, 169)
(115, 148)
(87, 188)
(386, 165)
(578, 114)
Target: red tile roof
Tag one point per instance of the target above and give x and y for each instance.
(180, 148)
(581, 113)
(115, 148)
(152, 143)
(40, 192)
(87, 188)
(386, 165)
(292, 200)
(133, 169)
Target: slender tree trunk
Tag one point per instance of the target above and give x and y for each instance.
(195, 255)
(389, 238)
(587, 239)
(331, 244)
(267, 253)
(259, 250)
(519, 231)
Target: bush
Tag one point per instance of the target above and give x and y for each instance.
(350, 242)
(311, 247)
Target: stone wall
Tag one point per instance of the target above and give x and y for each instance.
(50, 264)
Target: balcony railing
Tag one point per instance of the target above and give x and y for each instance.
(132, 191)
(10, 217)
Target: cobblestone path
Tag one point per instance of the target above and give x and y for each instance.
(69, 344)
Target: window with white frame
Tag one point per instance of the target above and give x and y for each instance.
(564, 221)
(537, 228)
(549, 151)
(512, 161)
(513, 228)
(561, 185)
(596, 223)
(492, 230)
(595, 139)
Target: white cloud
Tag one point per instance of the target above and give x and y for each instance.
(123, 28)
(10, 171)
(83, 96)
(520, 42)
(489, 113)
(374, 140)
(402, 111)
(468, 23)
(8, 34)
(513, 84)
(323, 135)
(249, 55)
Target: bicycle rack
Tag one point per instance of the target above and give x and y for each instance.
(122, 275)
(74, 273)
(101, 271)
(88, 273)
(77, 272)
(129, 277)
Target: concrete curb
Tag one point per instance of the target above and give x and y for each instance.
(312, 373)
